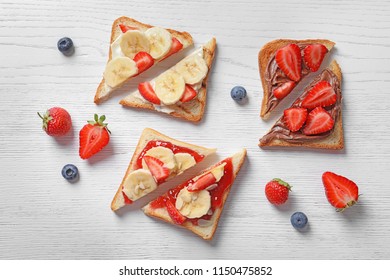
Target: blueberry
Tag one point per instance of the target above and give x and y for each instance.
(238, 93)
(70, 172)
(65, 45)
(299, 220)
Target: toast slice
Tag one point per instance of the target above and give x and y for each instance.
(191, 110)
(156, 159)
(272, 77)
(280, 135)
(198, 203)
(122, 25)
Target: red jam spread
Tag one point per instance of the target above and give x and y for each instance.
(216, 193)
(175, 149)
(126, 198)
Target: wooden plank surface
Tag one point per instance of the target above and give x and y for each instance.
(44, 217)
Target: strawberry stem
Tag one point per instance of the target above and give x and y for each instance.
(283, 183)
(99, 121)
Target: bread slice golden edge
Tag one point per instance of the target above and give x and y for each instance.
(335, 140)
(147, 135)
(103, 92)
(265, 54)
(191, 111)
(207, 232)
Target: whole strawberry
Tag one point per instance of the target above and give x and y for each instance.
(56, 121)
(277, 191)
(94, 136)
(340, 191)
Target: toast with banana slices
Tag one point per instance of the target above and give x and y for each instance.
(198, 203)
(156, 159)
(181, 90)
(315, 118)
(134, 48)
(283, 63)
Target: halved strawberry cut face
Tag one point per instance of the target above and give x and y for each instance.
(283, 90)
(144, 61)
(322, 94)
(294, 118)
(147, 92)
(159, 172)
(189, 94)
(175, 47)
(318, 121)
(313, 55)
(175, 215)
(289, 60)
(125, 28)
(202, 183)
(340, 191)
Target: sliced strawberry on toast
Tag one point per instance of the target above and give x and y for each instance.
(294, 118)
(321, 95)
(313, 55)
(318, 121)
(159, 172)
(147, 92)
(289, 60)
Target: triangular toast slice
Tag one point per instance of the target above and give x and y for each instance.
(276, 83)
(325, 87)
(189, 101)
(198, 203)
(156, 159)
(130, 37)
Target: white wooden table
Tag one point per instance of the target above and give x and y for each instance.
(44, 217)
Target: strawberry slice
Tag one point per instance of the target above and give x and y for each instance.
(283, 90)
(94, 136)
(189, 94)
(203, 182)
(318, 121)
(125, 28)
(294, 118)
(322, 94)
(175, 215)
(340, 191)
(126, 198)
(157, 168)
(144, 61)
(289, 60)
(175, 47)
(313, 55)
(148, 93)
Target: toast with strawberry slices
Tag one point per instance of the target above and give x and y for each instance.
(315, 118)
(198, 203)
(156, 159)
(181, 90)
(134, 48)
(283, 63)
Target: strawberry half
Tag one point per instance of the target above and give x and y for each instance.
(147, 92)
(203, 182)
(189, 94)
(144, 61)
(175, 215)
(94, 136)
(175, 47)
(283, 90)
(340, 191)
(318, 121)
(294, 118)
(289, 60)
(159, 172)
(125, 28)
(322, 94)
(313, 55)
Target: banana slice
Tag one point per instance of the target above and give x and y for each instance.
(163, 154)
(139, 183)
(184, 161)
(218, 171)
(133, 42)
(169, 87)
(160, 41)
(193, 69)
(193, 204)
(119, 70)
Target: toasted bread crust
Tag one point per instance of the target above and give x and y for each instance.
(267, 51)
(147, 135)
(193, 110)
(335, 141)
(102, 92)
(207, 232)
